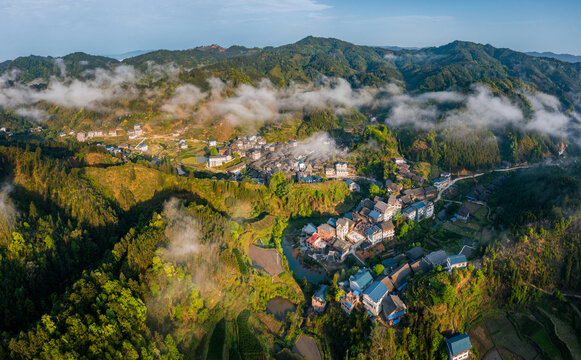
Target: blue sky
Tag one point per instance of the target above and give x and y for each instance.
(58, 27)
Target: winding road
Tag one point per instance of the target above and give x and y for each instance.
(477, 175)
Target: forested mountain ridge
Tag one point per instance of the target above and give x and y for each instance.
(455, 65)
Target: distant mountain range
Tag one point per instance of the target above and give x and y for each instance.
(128, 54)
(457, 65)
(563, 57)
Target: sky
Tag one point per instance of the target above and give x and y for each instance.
(108, 27)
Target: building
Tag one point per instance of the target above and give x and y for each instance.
(456, 261)
(341, 169)
(393, 309)
(318, 300)
(142, 147)
(344, 225)
(218, 160)
(360, 280)
(415, 253)
(329, 172)
(352, 185)
(399, 161)
(463, 214)
(255, 155)
(400, 276)
(349, 301)
(375, 216)
(342, 247)
(315, 242)
(387, 230)
(326, 231)
(409, 213)
(458, 347)
(236, 169)
(81, 136)
(382, 208)
(374, 234)
(437, 258)
(309, 229)
(212, 143)
(425, 209)
(373, 297)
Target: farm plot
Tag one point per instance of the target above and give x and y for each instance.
(307, 347)
(268, 260)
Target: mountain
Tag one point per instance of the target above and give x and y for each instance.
(190, 58)
(562, 57)
(34, 67)
(128, 54)
(456, 65)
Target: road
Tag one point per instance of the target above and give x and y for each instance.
(477, 175)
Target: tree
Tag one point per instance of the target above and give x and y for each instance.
(213, 151)
(378, 269)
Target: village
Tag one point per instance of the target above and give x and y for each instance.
(364, 241)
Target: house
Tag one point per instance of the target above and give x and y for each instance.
(326, 231)
(315, 242)
(374, 234)
(141, 147)
(349, 301)
(360, 280)
(393, 187)
(409, 212)
(458, 347)
(212, 143)
(375, 216)
(381, 207)
(344, 225)
(387, 230)
(342, 248)
(236, 169)
(81, 136)
(421, 265)
(388, 283)
(341, 169)
(400, 276)
(415, 253)
(218, 160)
(309, 229)
(393, 262)
(437, 258)
(393, 309)
(399, 161)
(424, 209)
(456, 261)
(463, 214)
(329, 172)
(254, 155)
(430, 192)
(373, 297)
(352, 185)
(318, 300)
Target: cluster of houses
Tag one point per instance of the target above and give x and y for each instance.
(404, 171)
(369, 222)
(86, 135)
(380, 296)
(6, 131)
(482, 193)
(264, 159)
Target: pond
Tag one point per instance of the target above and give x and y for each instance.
(300, 271)
(279, 307)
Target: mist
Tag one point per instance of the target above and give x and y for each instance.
(8, 212)
(319, 146)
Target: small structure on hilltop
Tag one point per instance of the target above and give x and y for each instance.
(456, 261)
(458, 347)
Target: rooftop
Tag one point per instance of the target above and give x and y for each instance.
(376, 291)
(458, 344)
(456, 259)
